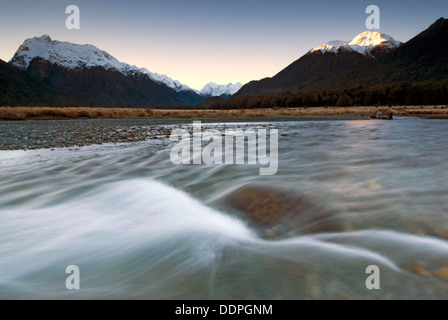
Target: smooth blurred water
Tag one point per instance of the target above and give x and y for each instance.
(348, 194)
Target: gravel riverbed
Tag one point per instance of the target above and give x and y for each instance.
(48, 134)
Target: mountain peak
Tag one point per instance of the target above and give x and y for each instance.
(370, 38)
(64, 54)
(212, 89)
(440, 21)
(363, 43)
(332, 46)
(45, 38)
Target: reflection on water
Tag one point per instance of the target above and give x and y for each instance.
(348, 194)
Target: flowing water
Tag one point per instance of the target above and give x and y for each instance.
(348, 194)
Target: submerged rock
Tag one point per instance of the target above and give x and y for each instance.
(277, 212)
(421, 271)
(442, 274)
(385, 114)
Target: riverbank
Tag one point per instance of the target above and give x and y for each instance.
(45, 134)
(47, 113)
(100, 126)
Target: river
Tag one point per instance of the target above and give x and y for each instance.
(347, 195)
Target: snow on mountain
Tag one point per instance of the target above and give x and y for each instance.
(367, 41)
(72, 56)
(215, 90)
(162, 78)
(331, 46)
(363, 43)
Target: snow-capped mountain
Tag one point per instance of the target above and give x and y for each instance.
(324, 62)
(212, 89)
(363, 43)
(73, 56)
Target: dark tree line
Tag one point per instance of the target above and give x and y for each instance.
(394, 95)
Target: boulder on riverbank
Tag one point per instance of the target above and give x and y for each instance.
(385, 114)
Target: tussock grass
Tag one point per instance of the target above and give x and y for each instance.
(49, 113)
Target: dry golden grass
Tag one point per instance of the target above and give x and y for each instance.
(437, 112)
(47, 113)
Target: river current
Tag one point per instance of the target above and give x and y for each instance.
(347, 195)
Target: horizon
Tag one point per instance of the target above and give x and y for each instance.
(196, 52)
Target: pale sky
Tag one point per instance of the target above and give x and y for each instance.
(199, 41)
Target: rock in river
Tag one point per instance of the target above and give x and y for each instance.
(385, 114)
(279, 211)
